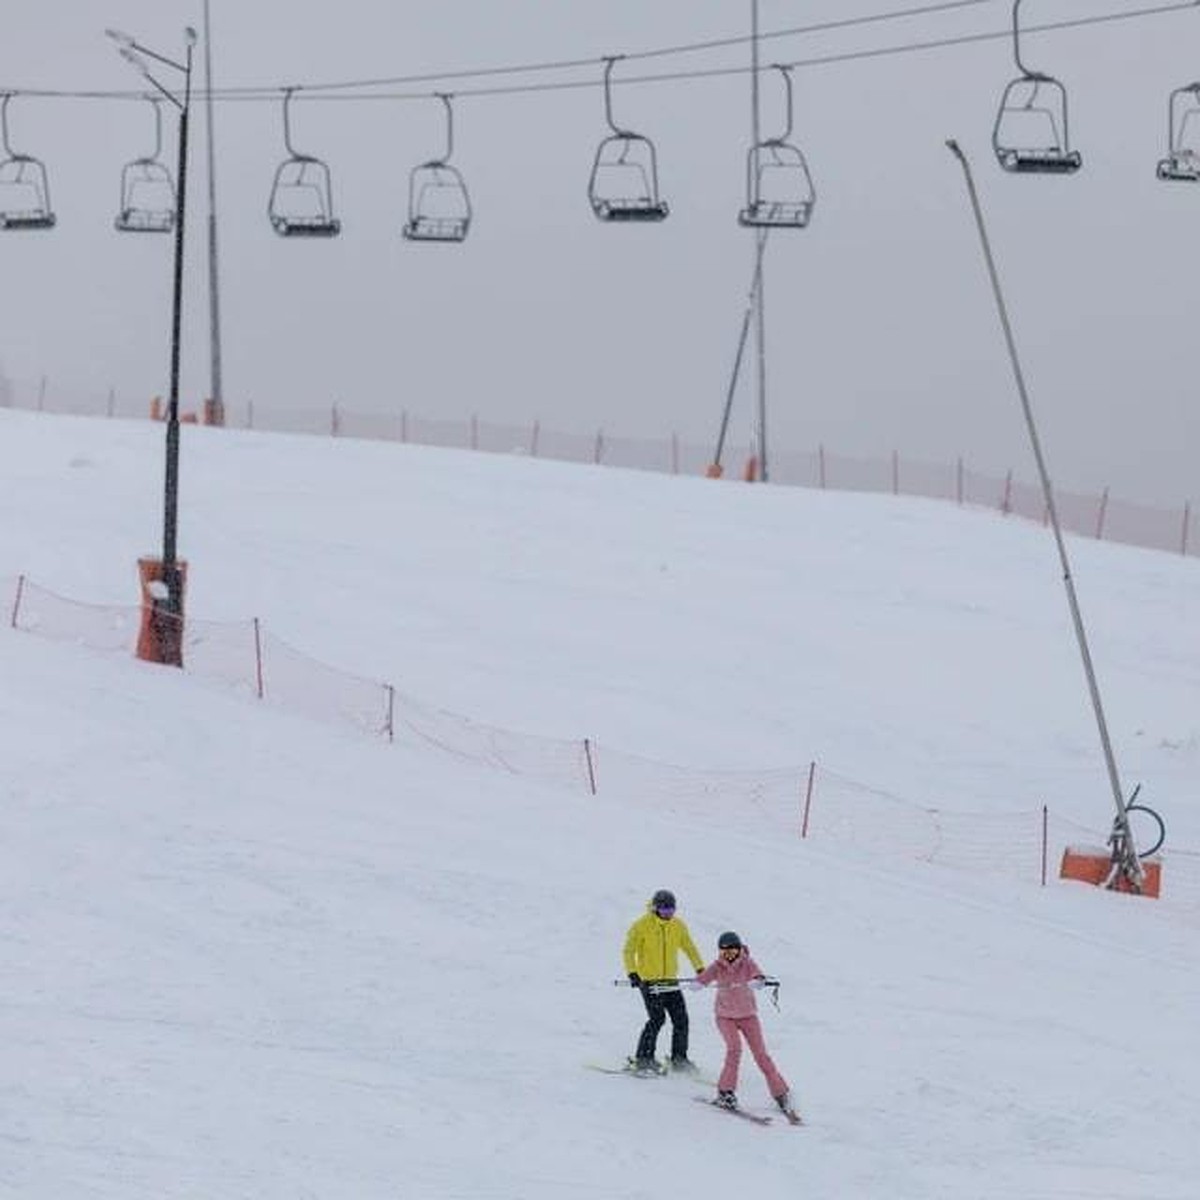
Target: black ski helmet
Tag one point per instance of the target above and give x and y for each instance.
(729, 941)
(662, 899)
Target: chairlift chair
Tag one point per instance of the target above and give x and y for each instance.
(779, 187)
(24, 186)
(439, 209)
(1031, 134)
(147, 190)
(624, 180)
(301, 201)
(1182, 163)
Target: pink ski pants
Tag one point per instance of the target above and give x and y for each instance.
(733, 1029)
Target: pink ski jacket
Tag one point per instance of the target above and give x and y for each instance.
(734, 996)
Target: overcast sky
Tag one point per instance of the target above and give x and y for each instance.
(881, 330)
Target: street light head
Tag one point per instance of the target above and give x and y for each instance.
(189, 37)
(122, 39)
(132, 58)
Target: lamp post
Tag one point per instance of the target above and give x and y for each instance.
(162, 632)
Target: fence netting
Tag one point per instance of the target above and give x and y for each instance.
(1095, 516)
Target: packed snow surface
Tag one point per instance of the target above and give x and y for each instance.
(252, 954)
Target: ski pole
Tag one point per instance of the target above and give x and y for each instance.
(670, 982)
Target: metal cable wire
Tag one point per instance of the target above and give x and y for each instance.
(343, 91)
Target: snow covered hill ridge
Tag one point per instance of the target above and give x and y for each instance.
(252, 954)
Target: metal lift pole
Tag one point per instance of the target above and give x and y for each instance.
(760, 245)
(1130, 864)
(747, 317)
(217, 414)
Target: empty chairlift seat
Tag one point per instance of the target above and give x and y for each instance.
(147, 190)
(623, 185)
(1031, 131)
(24, 186)
(301, 200)
(1182, 164)
(779, 186)
(439, 208)
(1031, 134)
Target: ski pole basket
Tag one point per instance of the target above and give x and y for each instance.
(24, 187)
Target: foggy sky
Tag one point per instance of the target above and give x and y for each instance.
(881, 330)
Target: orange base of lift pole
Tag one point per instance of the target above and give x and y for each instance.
(160, 637)
(1091, 864)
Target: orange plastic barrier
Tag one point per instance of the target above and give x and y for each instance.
(160, 637)
(1091, 865)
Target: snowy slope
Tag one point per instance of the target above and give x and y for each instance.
(253, 955)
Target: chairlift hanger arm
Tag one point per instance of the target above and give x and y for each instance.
(609, 62)
(157, 103)
(1176, 127)
(287, 124)
(786, 72)
(4, 124)
(445, 98)
(1016, 38)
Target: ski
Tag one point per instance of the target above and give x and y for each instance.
(735, 1112)
(664, 1072)
(660, 1074)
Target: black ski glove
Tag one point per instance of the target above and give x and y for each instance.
(635, 980)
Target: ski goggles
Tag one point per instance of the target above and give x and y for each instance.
(665, 910)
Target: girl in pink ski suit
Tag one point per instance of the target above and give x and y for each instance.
(735, 973)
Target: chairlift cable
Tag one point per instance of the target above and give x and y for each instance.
(664, 51)
(270, 93)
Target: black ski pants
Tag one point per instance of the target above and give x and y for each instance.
(658, 1007)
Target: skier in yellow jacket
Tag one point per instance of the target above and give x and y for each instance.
(652, 948)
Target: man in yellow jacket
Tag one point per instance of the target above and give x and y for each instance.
(652, 948)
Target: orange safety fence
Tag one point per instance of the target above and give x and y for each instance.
(804, 802)
(1103, 516)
